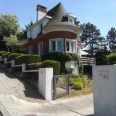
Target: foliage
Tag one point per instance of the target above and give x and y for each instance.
(90, 36)
(12, 43)
(22, 34)
(52, 63)
(63, 57)
(111, 59)
(8, 24)
(79, 63)
(13, 56)
(77, 22)
(111, 39)
(84, 78)
(29, 25)
(46, 64)
(78, 84)
(6, 54)
(2, 52)
(2, 44)
(26, 58)
(100, 58)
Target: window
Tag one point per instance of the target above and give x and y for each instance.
(40, 48)
(53, 45)
(67, 45)
(71, 46)
(59, 45)
(70, 20)
(56, 45)
(31, 50)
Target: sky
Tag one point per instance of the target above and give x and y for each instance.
(101, 13)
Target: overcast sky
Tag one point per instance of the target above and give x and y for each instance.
(101, 13)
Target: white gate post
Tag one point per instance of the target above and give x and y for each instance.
(45, 86)
(5, 60)
(23, 67)
(12, 63)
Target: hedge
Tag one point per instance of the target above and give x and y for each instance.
(63, 57)
(28, 59)
(111, 59)
(48, 63)
(13, 56)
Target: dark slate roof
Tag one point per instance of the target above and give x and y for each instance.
(57, 13)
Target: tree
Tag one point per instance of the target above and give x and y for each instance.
(111, 39)
(22, 34)
(8, 24)
(2, 44)
(77, 22)
(12, 43)
(29, 25)
(90, 37)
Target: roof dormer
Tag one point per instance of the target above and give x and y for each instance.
(71, 17)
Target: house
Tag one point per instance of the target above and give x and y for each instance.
(54, 31)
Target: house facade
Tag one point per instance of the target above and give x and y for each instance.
(54, 31)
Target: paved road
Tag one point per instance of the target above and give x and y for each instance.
(16, 106)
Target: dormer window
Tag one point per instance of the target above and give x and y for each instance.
(70, 20)
(70, 17)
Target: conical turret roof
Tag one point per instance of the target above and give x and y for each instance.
(57, 13)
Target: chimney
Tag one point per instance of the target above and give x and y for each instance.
(41, 12)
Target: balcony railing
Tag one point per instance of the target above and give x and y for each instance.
(88, 61)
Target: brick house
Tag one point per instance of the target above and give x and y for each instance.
(54, 31)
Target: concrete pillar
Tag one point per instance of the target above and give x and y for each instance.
(46, 83)
(23, 67)
(0, 58)
(104, 89)
(5, 60)
(12, 63)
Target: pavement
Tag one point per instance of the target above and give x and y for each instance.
(12, 105)
(77, 106)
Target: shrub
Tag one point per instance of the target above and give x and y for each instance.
(83, 78)
(28, 59)
(46, 64)
(100, 58)
(13, 56)
(111, 59)
(2, 52)
(63, 57)
(51, 63)
(6, 54)
(78, 84)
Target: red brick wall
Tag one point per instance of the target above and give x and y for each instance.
(45, 39)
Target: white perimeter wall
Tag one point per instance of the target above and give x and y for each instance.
(104, 91)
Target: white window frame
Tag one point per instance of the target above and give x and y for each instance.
(69, 18)
(56, 47)
(42, 48)
(74, 46)
(32, 49)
